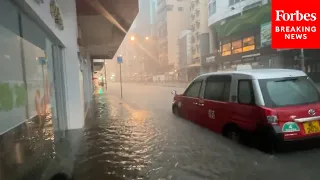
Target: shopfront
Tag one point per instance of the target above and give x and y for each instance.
(245, 39)
(32, 92)
(27, 83)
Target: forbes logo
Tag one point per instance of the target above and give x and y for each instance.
(281, 15)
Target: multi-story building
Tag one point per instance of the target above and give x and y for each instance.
(173, 16)
(145, 20)
(185, 55)
(199, 25)
(239, 34)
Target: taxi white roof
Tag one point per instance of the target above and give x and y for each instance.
(258, 73)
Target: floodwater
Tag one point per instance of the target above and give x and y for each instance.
(139, 138)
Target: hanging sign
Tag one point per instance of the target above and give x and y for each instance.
(56, 14)
(119, 59)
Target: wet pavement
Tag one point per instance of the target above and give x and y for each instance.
(139, 138)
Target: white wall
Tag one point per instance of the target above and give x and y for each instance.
(204, 16)
(68, 36)
(224, 10)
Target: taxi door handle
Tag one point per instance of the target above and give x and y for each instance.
(201, 104)
(195, 103)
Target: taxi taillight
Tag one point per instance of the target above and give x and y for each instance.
(271, 116)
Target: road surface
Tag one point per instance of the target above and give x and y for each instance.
(139, 138)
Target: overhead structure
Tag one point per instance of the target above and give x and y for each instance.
(103, 25)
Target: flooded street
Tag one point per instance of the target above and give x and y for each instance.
(139, 138)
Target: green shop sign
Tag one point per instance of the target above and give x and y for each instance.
(248, 20)
(12, 96)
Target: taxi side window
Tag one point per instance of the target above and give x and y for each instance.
(217, 88)
(193, 90)
(245, 92)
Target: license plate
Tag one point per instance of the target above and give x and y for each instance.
(311, 127)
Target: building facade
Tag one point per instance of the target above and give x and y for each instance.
(172, 17)
(199, 26)
(44, 83)
(185, 54)
(240, 34)
(145, 20)
(45, 87)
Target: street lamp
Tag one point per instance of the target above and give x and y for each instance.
(132, 38)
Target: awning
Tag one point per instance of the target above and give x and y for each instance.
(249, 20)
(103, 25)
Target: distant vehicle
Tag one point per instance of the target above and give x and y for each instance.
(279, 105)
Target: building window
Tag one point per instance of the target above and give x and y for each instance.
(12, 88)
(248, 44)
(232, 2)
(180, 9)
(169, 7)
(236, 47)
(212, 8)
(226, 49)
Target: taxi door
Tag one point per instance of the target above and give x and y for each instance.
(214, 102)
(190, 100)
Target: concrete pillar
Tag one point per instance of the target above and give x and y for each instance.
(211, 40)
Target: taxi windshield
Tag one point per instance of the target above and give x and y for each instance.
(288, 91)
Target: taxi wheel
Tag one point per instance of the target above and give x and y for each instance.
(274, 146)
(175, 111)
(233, 133)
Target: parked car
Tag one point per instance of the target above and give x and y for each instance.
(278, 105)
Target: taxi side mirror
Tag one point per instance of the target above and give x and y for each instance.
(174, 92)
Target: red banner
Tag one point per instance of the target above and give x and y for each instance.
(295, 24)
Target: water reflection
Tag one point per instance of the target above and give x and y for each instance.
(101, 90)
(27, 149)
(117, 143)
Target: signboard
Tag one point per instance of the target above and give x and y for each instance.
(265, 34)
(42, 60)
(211, 59)
(98, 60)
(119, 59)
(56, 14)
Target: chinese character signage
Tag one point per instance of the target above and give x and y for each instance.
(56, 14)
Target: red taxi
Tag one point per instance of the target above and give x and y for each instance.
(281, 105)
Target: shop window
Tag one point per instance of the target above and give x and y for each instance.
(39, 70)
(13, 98)
(248, 44)
(226, 49)
(236, 47)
